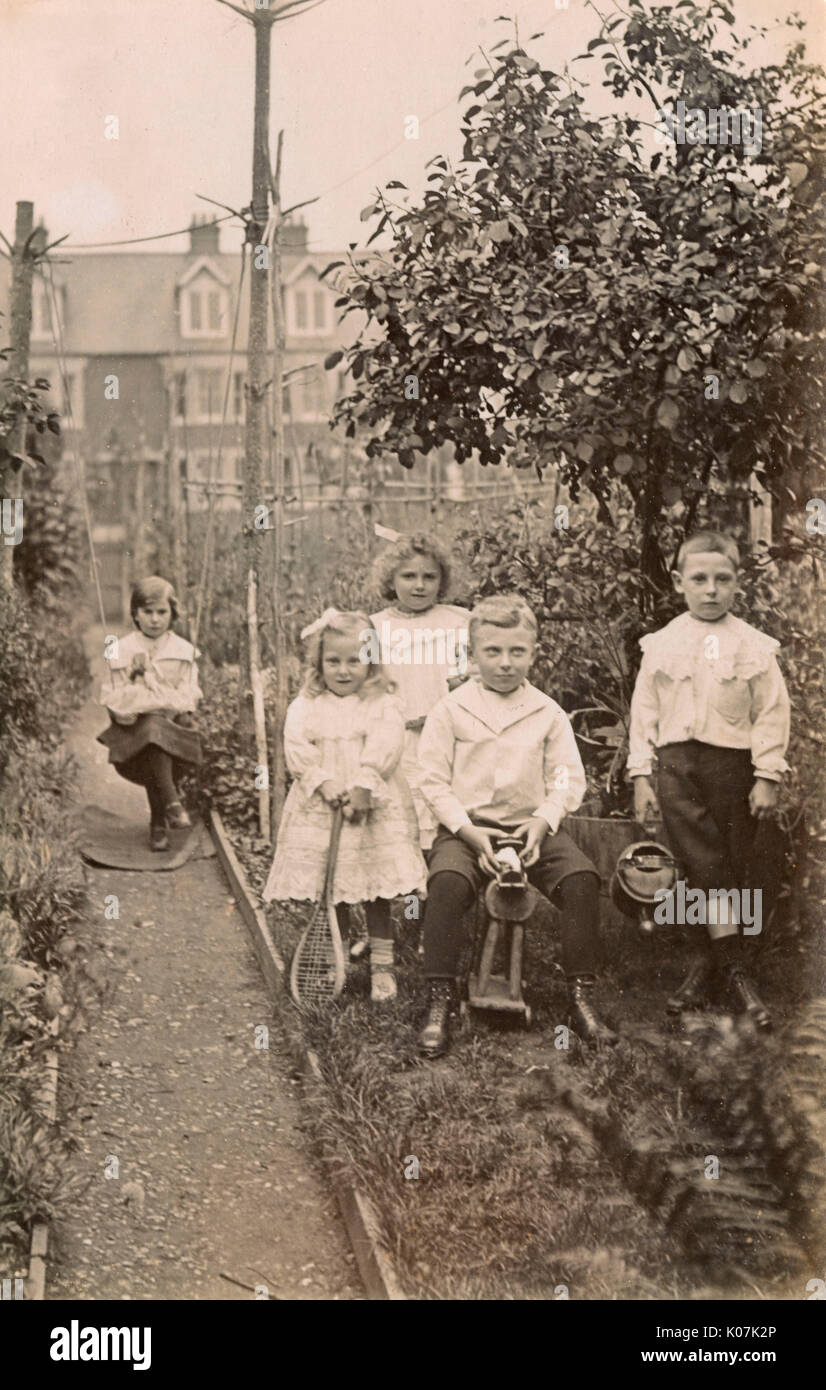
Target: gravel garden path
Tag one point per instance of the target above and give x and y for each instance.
(214, 1183)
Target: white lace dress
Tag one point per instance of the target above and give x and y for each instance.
(356, 742)
(422, 652)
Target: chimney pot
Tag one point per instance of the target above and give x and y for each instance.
(204, 236)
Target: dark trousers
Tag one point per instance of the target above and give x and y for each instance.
(563, 874)
(703, 794)
(704, 799)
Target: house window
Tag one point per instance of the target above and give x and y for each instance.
(179, 388)
(204, 313)
(238, 396)
(208, 393)
(310, 312)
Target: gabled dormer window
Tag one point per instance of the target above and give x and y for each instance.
(204, 313)
(203, 297)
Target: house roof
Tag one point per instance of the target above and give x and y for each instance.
(125, 302)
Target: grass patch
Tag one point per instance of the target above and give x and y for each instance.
(522, 1195)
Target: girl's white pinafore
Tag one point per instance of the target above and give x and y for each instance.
(354, 741)
(422, 674)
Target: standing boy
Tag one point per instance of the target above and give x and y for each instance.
(710, 701)
(496, 750)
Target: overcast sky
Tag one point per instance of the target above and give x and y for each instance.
(178, 74)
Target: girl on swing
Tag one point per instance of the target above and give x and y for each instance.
(150, 695)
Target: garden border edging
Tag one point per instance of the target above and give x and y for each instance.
(374, 1264)
(35, 1283)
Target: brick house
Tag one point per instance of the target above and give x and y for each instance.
(146, 338)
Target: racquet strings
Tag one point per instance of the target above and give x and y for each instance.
(314, 967)
(315, 976)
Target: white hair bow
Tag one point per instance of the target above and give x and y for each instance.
(385, 533)
(327, 617)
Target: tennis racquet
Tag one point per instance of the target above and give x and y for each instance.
(317, 971)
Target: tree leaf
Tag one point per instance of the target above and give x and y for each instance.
(738, 393)
(332, 360)
(499, 231)
(796, 172)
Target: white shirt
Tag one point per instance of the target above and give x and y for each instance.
(718, 683)
(170, 681)
(496, 757)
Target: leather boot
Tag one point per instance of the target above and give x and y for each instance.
(746, 998)
(692, 992)
(158, 839)
(435, 1036)
(582, 1018)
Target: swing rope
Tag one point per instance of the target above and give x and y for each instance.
(202, 588)
(56, 330)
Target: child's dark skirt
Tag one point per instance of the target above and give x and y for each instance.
(126, 742)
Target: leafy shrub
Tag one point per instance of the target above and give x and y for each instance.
(43, 674)
(43, 671)
(41, 874)
(47, 562)
(226, 777)
(20, 675)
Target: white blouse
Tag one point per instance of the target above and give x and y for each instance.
(168, 682)
(344, 738)
(422, 652)
(718, 683)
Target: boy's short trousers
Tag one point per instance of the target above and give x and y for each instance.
(559, 857)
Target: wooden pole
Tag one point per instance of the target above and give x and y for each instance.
(262, 769)
(256, 443)
(17, 363)
(262, 18)
(173, 489)
(277, 373)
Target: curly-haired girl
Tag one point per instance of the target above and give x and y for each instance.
(424, 640)
(343, 740)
